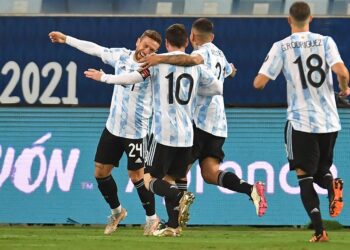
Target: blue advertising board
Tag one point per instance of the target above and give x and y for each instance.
(33, 71)
(47, 170)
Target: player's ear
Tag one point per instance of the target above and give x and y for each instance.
(138, 42)
(166, 44)
(310, 19)
(186, 43)
(212, 36)
(290, 20)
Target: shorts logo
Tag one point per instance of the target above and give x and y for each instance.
(138, 160)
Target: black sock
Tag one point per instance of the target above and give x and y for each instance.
(173, 213)
(311, 202)
(109, 190)
(146, 197)
(181, 185)
(231, 181)
(325, 181)
(164, 189)
(170, 207)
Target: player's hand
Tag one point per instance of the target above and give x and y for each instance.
(149, 61)
(234, 70)
(57, 37)
(345, 93)
(94, 74)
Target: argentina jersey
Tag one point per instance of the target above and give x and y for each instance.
(131, 108)
(174, 91)
(210, 113)
(306, 59)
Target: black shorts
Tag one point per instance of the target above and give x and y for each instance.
(206, 145)
(110, 150)
(311, 152)
(165, 160)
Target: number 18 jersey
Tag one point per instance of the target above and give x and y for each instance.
(306, 59)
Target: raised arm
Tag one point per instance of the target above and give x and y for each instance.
(84, 46)
(181, 60)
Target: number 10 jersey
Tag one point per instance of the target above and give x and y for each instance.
(306, 59)
(174, 90)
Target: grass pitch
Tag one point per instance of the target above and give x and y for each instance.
(89, 237)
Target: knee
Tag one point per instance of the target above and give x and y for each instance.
(136, 175)
(102, 170)
(209, 177)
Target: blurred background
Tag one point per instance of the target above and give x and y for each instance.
(51, 116)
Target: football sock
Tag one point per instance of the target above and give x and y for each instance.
(109, 191)
(325, 181)
(152, 217)
(231, 181)
(311, 202)
(164, 189)
(116, 210)
(146, 197)
(173, 213)
(181, 185)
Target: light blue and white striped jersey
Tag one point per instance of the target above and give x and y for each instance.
(210, 113)
(131, 105)
(174, 91)
(306, 59)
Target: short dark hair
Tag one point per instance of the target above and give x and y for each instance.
(176, 35)
(154, 35)
(203, 25)
(300, 11)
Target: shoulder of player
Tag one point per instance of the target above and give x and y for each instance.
(121, 50)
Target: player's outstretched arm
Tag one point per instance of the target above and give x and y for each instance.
(84, 46)
(122, 79)
(57, 37)
(181, 60)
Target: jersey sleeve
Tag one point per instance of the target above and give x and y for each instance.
(112, 55)
(332, 53)
(85, 46)
(227, 68)
(123, 79)
(273, 63)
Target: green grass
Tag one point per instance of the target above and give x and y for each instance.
(89, 237)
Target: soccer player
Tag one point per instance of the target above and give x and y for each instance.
(174, 91)
(307, 60)
(126, 127)
(210, 125)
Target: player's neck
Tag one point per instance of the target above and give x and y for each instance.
(296, 29)
(172, 49)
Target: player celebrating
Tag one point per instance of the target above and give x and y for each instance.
(126, 127)
(210, 123)
(174, 91)
(307, 60)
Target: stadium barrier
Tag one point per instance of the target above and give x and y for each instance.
(47, 166)
(33, 71)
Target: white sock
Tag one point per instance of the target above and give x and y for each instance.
(116, 210)
(152, 217)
